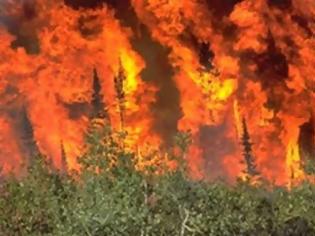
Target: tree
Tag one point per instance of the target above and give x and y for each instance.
(98, 107)
(27, 135)
(251, 169)
(112, 197)
(119, 87)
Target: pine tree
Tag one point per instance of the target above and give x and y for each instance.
(27, 135)
(119, 87)
(251, 168)
(99, 111)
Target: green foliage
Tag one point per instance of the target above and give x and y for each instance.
(110, 197)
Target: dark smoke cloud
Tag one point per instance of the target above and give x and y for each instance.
(76, 4)
(281, 4)
(303, 23)
(221, 8)
(307, 139)
(23, 25)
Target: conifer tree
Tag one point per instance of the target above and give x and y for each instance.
(251, 168)
(119, 87)
(28, 134)
(98, 107)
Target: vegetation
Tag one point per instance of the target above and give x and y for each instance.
(110, 197)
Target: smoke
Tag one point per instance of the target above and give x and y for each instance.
(21, 20)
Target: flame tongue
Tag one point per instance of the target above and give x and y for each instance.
(156, 68)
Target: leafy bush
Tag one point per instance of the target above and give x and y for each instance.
(111, 197)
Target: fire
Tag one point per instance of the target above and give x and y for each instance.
(293, 161)
(153, 68)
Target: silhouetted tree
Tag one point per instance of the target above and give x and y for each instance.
(251, 168)
(99, 108)
(27, 134)
(119, 87)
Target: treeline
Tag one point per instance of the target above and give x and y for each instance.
(111, 197)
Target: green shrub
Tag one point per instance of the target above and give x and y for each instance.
(110, 197)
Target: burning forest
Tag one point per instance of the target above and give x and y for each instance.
(239, 75)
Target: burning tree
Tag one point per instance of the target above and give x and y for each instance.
(98, 107)
(28, 134)
(251, 169)
(119, 87)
